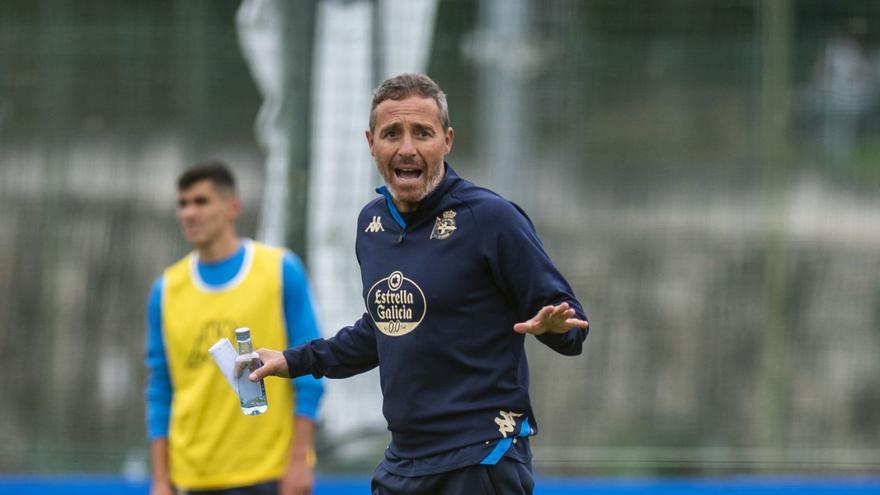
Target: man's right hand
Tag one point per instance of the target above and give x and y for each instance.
(161, 489)
(161, 483)
(274, 364)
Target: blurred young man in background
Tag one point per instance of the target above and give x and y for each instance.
(200, 440)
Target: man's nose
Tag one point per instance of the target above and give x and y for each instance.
(187, 210)
(407, 147)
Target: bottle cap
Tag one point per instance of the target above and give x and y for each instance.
(242, 334)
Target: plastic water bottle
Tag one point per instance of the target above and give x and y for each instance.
(252, 395)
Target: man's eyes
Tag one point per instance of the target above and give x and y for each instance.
(198, 201)
(419, 132)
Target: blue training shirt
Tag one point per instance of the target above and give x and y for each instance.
(299, 318)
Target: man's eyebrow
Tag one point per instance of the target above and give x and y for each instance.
(393, 125)
(194, 199)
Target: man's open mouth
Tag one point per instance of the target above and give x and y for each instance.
(407, 173)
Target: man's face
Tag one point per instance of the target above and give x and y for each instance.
(204, 212)
(409, 143)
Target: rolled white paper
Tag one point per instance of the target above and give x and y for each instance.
(224, 356)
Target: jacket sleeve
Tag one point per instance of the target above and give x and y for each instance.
(525, 273)
(302, 327)
(352, 351)
(159, 391)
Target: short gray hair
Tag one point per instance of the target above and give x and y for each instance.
(405, 85)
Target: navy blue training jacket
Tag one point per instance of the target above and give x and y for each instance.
(443, 288)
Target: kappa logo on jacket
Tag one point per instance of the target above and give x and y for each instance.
(375, 225)
(506, 422)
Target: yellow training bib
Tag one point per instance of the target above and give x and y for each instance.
(211, 443)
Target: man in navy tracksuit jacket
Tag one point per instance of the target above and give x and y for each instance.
(453, 276)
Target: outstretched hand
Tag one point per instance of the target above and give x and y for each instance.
(552, 319)
(274, 364)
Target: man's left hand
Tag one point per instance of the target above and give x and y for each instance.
(552, 319)
(298, 479)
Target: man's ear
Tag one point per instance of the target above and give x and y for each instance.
(234, 208)
(450, 137)
(369, 136)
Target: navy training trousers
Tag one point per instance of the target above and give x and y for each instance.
(508, 477)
